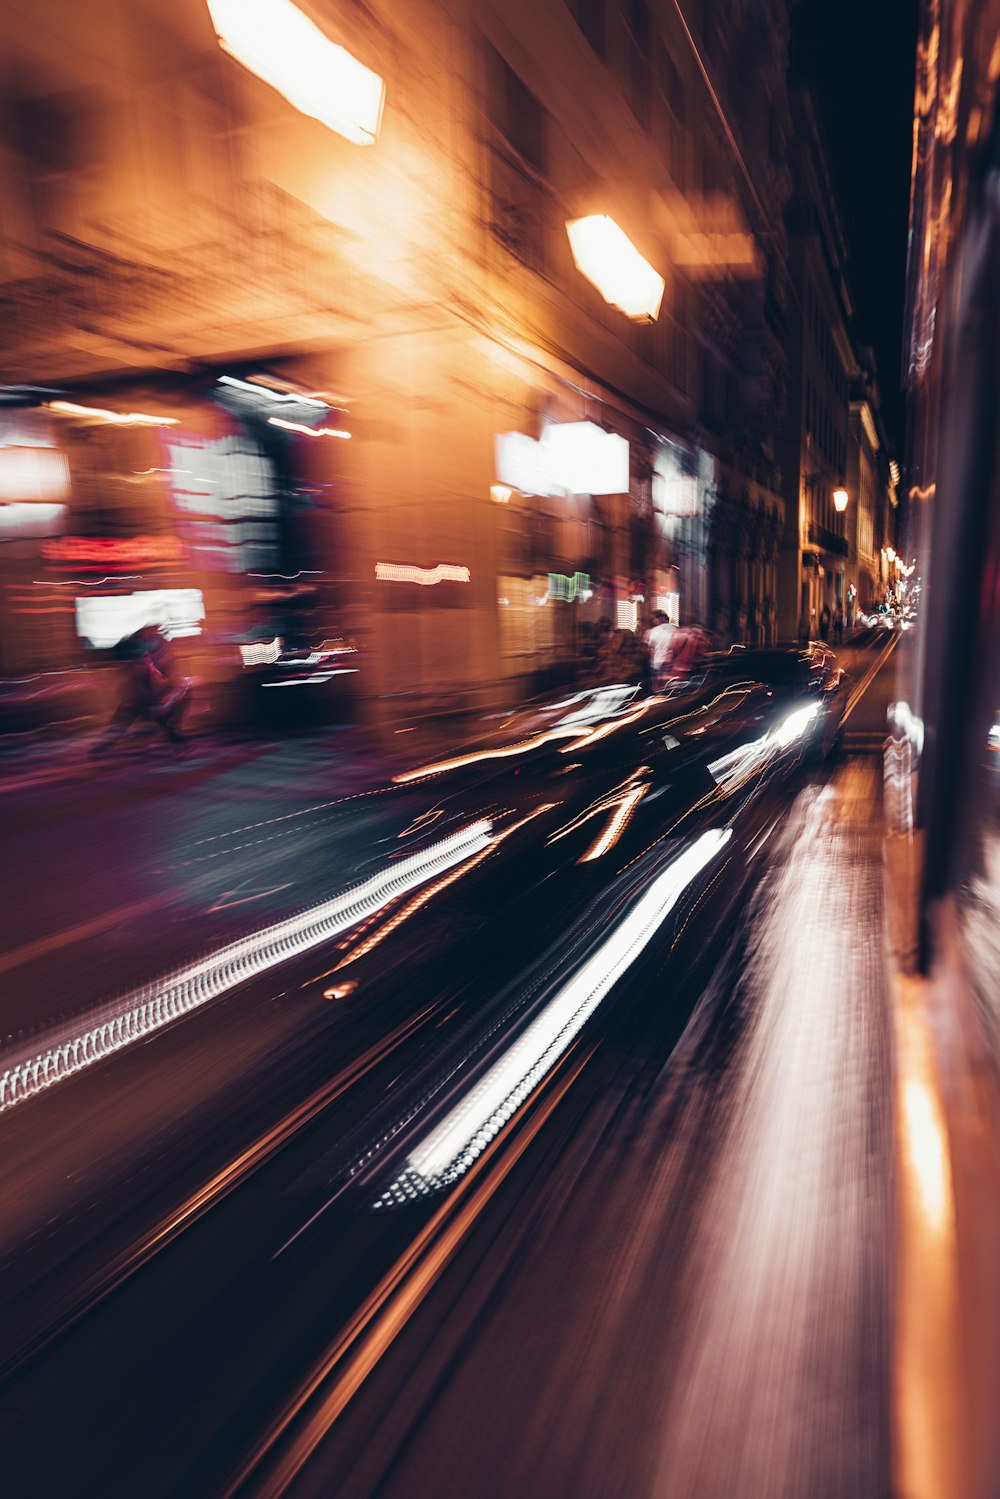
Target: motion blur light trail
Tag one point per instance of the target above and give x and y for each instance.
(451, 1148)
(157, 1005)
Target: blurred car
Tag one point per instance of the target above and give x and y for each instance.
(807, 687)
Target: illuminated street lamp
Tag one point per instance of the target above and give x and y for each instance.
(890, 554)
(275, 40)
(840, 500)
(605, 255)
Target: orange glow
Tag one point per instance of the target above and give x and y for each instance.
(277, 42)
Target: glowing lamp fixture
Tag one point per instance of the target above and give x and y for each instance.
(609, 260)
(840, 500)
(275, 40)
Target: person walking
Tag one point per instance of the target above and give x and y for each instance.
(660, 639)
(824, 622)
(152, 693)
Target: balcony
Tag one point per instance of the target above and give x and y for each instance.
(819, 536)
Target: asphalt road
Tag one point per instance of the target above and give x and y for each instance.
(231, 1266)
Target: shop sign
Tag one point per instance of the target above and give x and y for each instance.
(102, 620)
(111, 552)
(33, 473)
(569, 458)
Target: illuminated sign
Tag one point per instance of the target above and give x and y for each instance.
(105, 619)
(106, 551)
(29, 522)
(570, 458)
(33, 473)
(568, 589)
(406, 572)
(227, 480)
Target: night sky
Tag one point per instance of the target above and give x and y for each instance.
(859, 55)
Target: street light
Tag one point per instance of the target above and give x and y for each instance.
(605, 255)
(840, 495)
(278, 42)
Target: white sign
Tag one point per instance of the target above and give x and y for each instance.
(571, 458)
(105, 619)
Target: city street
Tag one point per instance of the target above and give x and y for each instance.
(499, 750)
(216, 1230)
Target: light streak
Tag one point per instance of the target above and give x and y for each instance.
(450, 1149)
(316, 676)
(149, 1009)
(732, 767)
(116, 418)
(592, 735)
(283, 397)
(505, 752)
(416, 902)
(616, 826)
(278, 421)
(407, 572)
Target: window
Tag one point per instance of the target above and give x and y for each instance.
(639, 30)
(518, 158)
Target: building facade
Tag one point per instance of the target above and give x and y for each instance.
(816, 438)
(180, 243)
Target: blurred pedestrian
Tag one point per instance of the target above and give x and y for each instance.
(838, 625)
(660, 640)
(824, 622)
(153, 693)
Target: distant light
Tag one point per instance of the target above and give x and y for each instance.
(275, 40)
(277, 421)
(407, 572)
(609, 260)
(500, 493)
(116, 418)
(840, 500)
(889, 552)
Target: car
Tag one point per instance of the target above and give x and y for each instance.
(803, 680)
